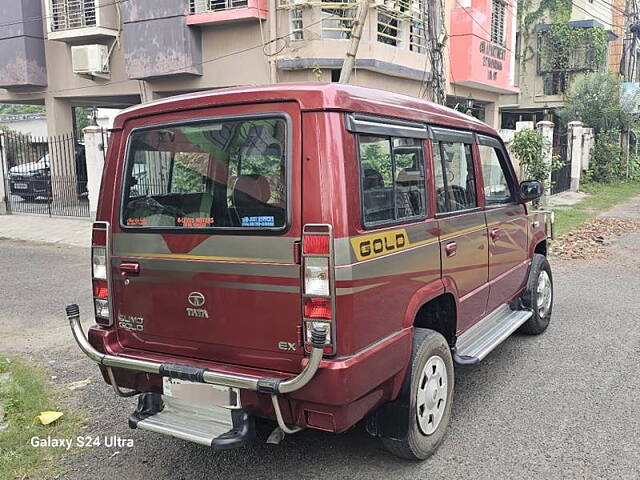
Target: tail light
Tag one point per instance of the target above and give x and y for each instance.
(318, 296)
(100, 273)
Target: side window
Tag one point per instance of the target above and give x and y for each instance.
(496, 185)
(455, 177)
(392, 178)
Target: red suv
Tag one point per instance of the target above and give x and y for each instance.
(311, 254)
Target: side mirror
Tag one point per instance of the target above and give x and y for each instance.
(530, 190)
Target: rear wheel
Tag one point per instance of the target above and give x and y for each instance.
(538, 296)
(428, 391)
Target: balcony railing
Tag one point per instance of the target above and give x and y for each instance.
(205, 6)
(69, 14)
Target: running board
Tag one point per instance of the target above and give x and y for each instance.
(477, 342)
(213, 426)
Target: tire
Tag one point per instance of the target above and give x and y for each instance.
(538, 296)
(430, 350)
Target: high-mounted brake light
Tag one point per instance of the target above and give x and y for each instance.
(100, 273)
(318, 304)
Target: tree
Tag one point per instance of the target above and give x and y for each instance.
(596, 100)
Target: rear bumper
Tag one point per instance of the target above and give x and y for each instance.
(266, 384)
(341, 392)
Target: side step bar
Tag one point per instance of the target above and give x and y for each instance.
(477, 342)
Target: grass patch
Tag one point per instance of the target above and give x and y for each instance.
(601, 198)
(24, 396)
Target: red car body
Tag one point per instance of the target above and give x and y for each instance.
(253, 281)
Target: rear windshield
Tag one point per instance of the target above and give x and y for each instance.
(223, 174)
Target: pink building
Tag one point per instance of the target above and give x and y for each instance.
(482, 45)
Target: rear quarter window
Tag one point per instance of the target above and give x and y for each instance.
(210, 174)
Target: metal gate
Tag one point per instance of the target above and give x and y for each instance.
(561, 178)
(45, 175)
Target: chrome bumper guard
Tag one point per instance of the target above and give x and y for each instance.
(268, 385)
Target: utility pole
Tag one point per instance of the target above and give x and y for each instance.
(356, 35)
(436, 37)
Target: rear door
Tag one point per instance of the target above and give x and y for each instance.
(463, 230)
(506, 223)
(204, 236)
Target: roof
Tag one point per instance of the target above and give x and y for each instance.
(314, 97)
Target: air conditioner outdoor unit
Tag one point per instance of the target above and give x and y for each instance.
(90, 60)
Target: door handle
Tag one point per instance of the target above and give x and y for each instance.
(451, 248)
(130, 269)
(495, 233)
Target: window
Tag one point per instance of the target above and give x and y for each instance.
(455, 177)
(496, 186)
(418, 26)
(392, 179)
(498, 22)
(388, 28)
(337, 19)
(227, 174)
(297, 26)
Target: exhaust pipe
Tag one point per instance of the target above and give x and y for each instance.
(269, 385)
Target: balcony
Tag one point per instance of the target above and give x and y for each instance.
(205, 12)
(73, 20)
(22, 56)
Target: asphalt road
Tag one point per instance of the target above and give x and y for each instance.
(560, 405)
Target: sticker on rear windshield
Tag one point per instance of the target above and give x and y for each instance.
(195, 222)
(262, 221)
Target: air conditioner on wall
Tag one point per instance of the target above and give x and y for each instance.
(90, 60)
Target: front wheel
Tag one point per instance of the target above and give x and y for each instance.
(428, 391)
(538, 296)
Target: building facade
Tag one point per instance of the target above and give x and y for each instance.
(542, 84)
(112, 54)
(482, 42)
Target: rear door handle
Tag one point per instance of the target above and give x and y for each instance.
(495, 233)
(130, 269)
(451, 248)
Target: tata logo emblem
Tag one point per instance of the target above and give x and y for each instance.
(196, 299)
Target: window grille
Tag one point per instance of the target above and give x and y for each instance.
(498, 22)
(297, 26)
(337, 18)
(204, 6)
(68, 14)
(388, 28)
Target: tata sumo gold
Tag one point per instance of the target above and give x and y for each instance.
(315, 255)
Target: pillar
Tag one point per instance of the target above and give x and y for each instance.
(575, 140)
(94, 152)
(545, 127)
(59, 116)
(3, 180)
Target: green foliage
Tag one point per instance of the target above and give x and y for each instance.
(82, 119)
(24, 395)
(550, 11)
(605, 165)
(565, 49)
(186, 175)
(15, 109)
(529, 147)
(601, 198)
(634, 169)
(595, 100)
(379, 160)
